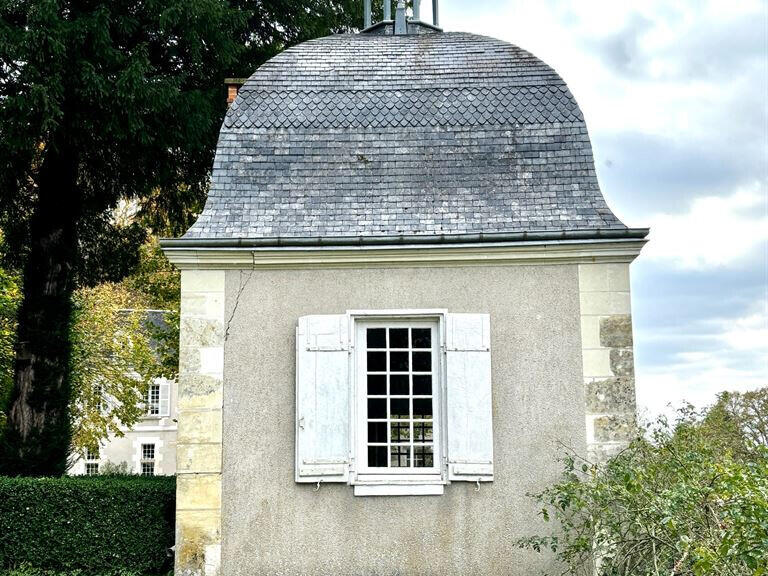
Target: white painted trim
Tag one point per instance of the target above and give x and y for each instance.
(483, 254)
(399, 489)
(159, 444)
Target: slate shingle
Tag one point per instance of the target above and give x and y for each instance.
(376, 135)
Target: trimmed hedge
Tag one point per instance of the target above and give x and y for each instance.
(96, 524)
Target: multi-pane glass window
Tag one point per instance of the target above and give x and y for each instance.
(400, 405)
(153, 400)
(91, 462)
(147, 459)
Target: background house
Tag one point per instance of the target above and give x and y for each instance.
(149, 446)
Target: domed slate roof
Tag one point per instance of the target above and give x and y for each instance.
(368, 137)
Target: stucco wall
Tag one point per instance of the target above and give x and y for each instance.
(271, 525)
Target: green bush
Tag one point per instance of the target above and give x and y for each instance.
(689, 499)
(99, 525)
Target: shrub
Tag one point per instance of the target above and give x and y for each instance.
(105, 525)
(689, 499)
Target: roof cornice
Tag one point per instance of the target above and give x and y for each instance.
(198, 255)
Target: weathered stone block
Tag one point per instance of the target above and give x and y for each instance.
(193, 304)
(195, 530)
(610, 395)
(616, 331)
(196, 427)
(597, 363)
(198, 492)
(205, 458)
(202, 281)
(600, 453)
(199, 391)
(623, 363)
(615, 428)
(604, 303)
(201, 332)
(590, 332)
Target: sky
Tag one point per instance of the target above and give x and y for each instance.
(675, 95)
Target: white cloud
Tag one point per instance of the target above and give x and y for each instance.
(714, 232)
(728, 354)
(749, 333)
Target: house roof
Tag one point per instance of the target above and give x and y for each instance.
(369, 137)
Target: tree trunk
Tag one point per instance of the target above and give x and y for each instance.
(37, 437)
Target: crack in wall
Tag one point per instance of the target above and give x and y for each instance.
(240, 289)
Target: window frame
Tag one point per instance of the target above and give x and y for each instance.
(153, 408)
(377, 481)
(146, 461)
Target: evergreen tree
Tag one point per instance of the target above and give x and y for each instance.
(99, 100)
(104, 100)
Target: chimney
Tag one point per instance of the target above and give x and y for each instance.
(233, 87)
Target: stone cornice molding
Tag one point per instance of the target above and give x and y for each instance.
(439, 255)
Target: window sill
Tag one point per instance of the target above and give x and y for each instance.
(399, 489)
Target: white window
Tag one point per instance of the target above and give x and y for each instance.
(158, 398)
(153, 400)
(91, 462)
(398, 409)
(394, 402)
(147, 459)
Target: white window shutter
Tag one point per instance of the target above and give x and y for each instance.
(322, 399)
(468, 397)
(165, 398)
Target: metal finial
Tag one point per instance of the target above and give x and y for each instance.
(417, 9)
(366, 13)
(400, 25)
(387, 9)
(435, 16)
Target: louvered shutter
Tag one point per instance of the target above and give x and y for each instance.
(165, 398)
(468, 397)
(322, 399)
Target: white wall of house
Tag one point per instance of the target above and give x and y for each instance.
(151, 430)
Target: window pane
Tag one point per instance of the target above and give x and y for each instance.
(422, 361)
(377, 407)
(422, 457)
(376, 337)
(400, 456)
(422, 431)
(377, 361)
(422, 408)
(401, 431)
(377, 385)
(377, 432)
(398, 408)
(398, 361)
(422, 338)
(422, 385)
(398, 337)
(398, 384)
(377, 456)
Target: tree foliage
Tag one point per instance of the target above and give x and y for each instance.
(10, 297)
(100, 102)
(113, 363)
(684, 499)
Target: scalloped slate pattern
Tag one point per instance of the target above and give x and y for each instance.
(382, 108)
